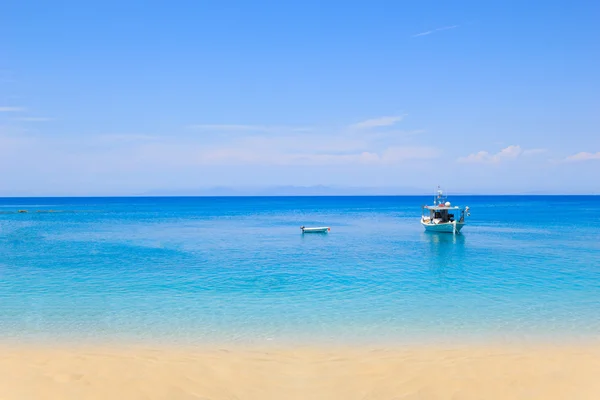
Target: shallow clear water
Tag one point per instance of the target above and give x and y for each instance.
(196, 270)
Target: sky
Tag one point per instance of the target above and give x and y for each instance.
(144, 97)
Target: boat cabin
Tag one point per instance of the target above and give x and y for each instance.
(442, 214)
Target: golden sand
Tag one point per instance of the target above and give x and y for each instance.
(300, 373)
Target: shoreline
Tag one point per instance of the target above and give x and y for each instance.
(492, 371)
(274, 342)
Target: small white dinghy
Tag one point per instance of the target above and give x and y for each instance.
(320, 229)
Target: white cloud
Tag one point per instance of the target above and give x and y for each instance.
(378, 122)
(445, 28)
(11, 109)
(512, 151)
(481, 156)
(509, 153)
(583, 156)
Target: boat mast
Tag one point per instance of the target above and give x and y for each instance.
(439, 197)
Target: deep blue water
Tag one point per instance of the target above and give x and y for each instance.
(197, 270)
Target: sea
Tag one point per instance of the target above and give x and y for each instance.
(238, 270)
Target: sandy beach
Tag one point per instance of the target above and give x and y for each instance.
(502, 372)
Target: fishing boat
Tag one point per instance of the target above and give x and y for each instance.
(319, 229)
(442, 216)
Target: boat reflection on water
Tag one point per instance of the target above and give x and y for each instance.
(439, 240)
(445, 253)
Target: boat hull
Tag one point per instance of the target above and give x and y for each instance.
(443, 228)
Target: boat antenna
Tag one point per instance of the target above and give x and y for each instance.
(439, 196)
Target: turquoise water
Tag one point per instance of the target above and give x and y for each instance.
(201, 270)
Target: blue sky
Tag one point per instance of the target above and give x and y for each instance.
(112, 98)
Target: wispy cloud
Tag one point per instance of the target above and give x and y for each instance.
(378, 122)
(120, 153)
(445, 28)
(11, 109)
(509, 153)
(246, 154)
(483, 156)
(34, 119)
(255, 145)
(583, 156)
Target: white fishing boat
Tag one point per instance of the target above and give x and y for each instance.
(442, 216)
(319, 229)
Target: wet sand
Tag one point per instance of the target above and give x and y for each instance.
(500, 372)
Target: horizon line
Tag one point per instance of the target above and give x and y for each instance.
(291, 195)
